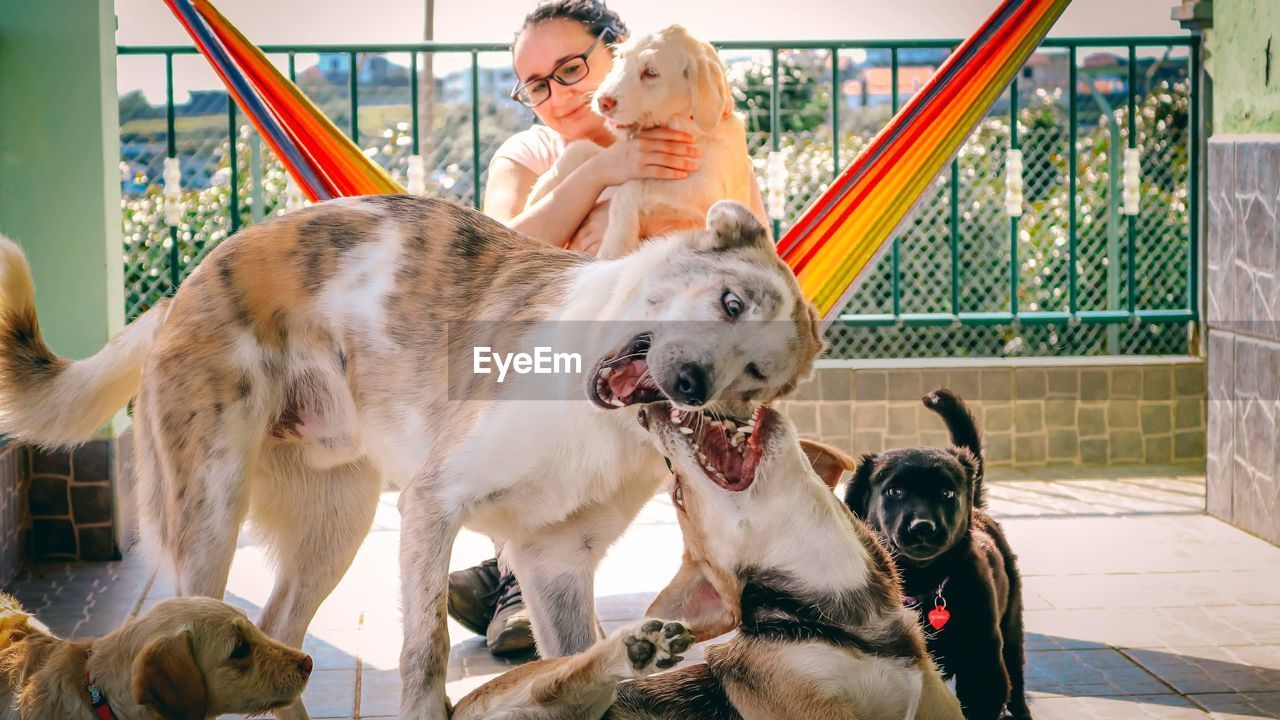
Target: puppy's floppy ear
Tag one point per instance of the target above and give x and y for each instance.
(692, 598)
(973, 469)
(858, 495)
(712, 99)
(167, 679)
(732, 225)
(829, 462)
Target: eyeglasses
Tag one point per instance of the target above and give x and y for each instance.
(570, 71)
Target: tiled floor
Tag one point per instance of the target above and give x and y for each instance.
(1138, 605)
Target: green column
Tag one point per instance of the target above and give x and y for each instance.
(59, 163)
(1244, 61)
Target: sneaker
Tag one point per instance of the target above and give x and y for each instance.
(510, 632)
(473, 595)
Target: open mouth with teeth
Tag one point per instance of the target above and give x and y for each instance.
(727, 450)
(623, 378)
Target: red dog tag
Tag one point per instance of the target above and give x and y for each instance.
(939, 617)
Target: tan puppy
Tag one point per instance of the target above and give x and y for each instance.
(185, 659)
(665, 79)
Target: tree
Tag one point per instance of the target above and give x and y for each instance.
(804, 98)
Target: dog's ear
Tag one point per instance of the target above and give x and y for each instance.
(858, 494)
(973, 470)
(167, 679)
(712, 100)
(692, 598)
(733, 225)
(830, 463)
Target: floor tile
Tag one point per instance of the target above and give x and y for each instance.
(1137, 605)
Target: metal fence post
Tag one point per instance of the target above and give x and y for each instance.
(895, 261)
(1073, 291)
(1014, 144)
(170, 124)
(775, 143)
(233, 133)
(476, 196)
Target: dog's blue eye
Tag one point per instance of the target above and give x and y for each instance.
(732, 304)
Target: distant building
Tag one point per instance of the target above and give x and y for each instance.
(1044, 70)
(883, 57)
(495, 84)
(203, 102)
(874, 85)
(372, 69)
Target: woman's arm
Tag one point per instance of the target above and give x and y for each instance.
(555, 217)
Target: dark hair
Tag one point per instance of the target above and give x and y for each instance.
(593, 14)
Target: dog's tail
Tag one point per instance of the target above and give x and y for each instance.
(48, 400)
(963, 429)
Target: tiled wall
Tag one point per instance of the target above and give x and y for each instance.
(1242, 284)
(72, 500)
(1030, 416)
(13, 478)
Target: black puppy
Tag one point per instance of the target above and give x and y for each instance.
(955, 564)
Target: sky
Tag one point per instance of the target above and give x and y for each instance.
(149, 22)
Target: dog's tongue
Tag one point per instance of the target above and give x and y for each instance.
(730, 453)
(624, 380)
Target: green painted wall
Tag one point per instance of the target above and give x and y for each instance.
(59, 163)
(1243, 99)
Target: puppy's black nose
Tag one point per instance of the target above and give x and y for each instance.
(921, 528)
(692, 384)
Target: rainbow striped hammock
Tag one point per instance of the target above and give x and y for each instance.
(829, 247)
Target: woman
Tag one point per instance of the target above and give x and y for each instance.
(561, 54)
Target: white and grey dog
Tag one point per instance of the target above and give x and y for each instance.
(312, 357)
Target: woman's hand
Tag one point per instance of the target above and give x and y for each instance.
(660, 153)
(589, 234)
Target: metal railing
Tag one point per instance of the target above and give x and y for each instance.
(1054, 269)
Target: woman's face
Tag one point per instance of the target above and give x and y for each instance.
(537, 52)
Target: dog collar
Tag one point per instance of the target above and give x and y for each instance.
(97, 701)
(939, 615)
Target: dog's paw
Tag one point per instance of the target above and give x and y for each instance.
(655, 645)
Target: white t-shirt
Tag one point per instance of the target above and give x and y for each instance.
(537, 148)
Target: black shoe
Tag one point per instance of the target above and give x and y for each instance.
(510, 632)
(473, 595)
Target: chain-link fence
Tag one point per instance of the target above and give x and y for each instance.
(1072, 275)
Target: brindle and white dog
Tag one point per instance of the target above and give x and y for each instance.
(822, 630)
(310, 358)
(818, 638)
